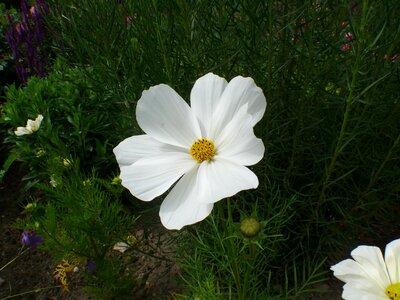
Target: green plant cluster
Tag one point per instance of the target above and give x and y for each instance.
(330, 75)
(82, 220)
(80, 125)
(77, 212)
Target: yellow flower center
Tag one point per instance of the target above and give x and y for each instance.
(202, 150)
(393, 291)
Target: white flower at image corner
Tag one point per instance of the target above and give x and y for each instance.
(31, 126)
(205, 147)
(369, 275)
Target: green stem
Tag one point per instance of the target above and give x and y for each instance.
(339, 144)
(161, 43)
(387, 158)
(96, 250)
(11, 261)
(232, 255)
(267, 123)
(230, 220)
(373, 179)
(349, 101)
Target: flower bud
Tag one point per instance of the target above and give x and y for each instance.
(250, 227)
(66, 162)
(116, 180)
(30, 206)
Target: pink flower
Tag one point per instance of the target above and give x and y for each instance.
(345, 47)
(348, 36)
(395, 57)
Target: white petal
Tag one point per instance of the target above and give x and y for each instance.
(352, 293)
(220, 178)
(392, 259)
(149, 177)
(136, 147)
(181, 207)
(204, 98)
(30, 124)
(22, 131)
(371, 260)
(39, 119)
(36, 124)
(237, 141)
(238, 92)
(121, 247)
(353, 273)
(166, 117)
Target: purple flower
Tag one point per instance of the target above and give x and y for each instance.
(91, 266)
(30, 239)
(27, 40)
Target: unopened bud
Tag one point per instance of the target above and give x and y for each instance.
(250, 227)
(66, 162)
(116, 180)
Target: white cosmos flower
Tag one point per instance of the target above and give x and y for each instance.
(206, 146)
(369, 276)
(31, 126)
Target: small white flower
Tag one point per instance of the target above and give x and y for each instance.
(54, 181)
(369, 276)
(205, 147)
(31, 126)
(121, 247)
(86, 182)
(40, 153)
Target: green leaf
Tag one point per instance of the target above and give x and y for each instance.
(10, 159)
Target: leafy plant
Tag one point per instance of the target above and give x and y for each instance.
(79, 124)
(81, 220)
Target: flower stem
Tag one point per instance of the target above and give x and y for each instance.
(11, 261)
(233, 253)
(230, 220)
(383, 164)
(349, 101)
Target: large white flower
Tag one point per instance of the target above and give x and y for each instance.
(370, 276)
(206, 146)
(31, 126)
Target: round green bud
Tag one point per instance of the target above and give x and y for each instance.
(250, 227)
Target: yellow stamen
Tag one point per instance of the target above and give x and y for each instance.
(393, 291)
(202, 150)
